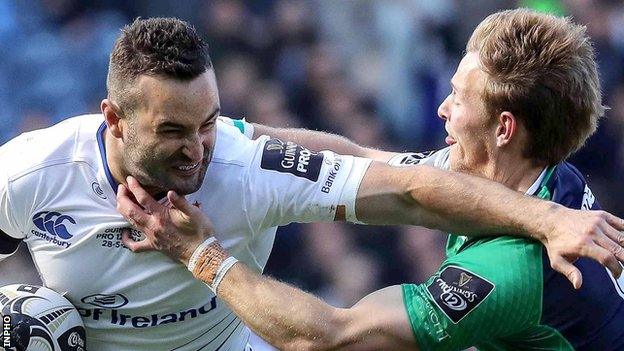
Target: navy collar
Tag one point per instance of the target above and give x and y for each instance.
(109, 176)
(100, 141)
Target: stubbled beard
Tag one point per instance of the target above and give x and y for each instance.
(156, 174)
(154, 171)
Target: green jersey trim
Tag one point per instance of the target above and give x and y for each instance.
(544, 192)
(409, 305)
(240, 125)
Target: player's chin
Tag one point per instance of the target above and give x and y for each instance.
(456, 162)
(186, 184)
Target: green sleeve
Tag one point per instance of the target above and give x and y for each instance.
(490, 290)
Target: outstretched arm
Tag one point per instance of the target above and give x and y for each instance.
(378, 322)
(318, 141)
(460, 203)
(312, 139)
(466, 204)
(304, 322)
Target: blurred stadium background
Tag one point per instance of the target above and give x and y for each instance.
(373, 70)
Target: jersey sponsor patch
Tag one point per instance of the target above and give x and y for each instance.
(457, 291)
(288, 157)
(409, 159)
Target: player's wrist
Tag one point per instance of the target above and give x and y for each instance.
(210, 262)
(544, 226)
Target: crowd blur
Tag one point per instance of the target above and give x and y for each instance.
(372, 70)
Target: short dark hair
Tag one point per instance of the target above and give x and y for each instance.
(541, 68)
(166, 47)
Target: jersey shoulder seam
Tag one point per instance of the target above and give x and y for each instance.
(223, 161)
(48, 164)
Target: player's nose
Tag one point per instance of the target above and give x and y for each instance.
(194, 148)
(443, 109)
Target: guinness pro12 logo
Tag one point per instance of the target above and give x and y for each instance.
(457, 291)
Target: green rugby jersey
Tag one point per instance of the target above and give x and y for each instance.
(501, 294)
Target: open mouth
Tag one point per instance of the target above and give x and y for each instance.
(187, 169)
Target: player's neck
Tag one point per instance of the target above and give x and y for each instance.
(113, 158)
(515, 172)
(116, 166)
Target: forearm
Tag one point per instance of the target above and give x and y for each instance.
(282, 315)
(472, 205)
(318, 141)
(475, 205)
(450, 201)
(291, 319)
(287, 318)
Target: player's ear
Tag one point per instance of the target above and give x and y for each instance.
(112, 116)
(506, 129)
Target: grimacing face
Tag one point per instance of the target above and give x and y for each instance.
(471, 133)
(171, 134)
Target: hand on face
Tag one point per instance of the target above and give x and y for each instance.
(176, 230)
(576, 233)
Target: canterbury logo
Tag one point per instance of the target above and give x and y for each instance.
(52, 222)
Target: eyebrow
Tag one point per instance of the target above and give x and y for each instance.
(174, 125)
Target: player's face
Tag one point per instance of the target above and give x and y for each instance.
(469, 128)
(172, 133)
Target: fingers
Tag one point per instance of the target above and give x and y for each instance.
(617, 223)
(135, 246)
(613, 233)
(180, 202)
(129, 209)
(566, 268)
(613, 240)
(605, 258)
(143, 197)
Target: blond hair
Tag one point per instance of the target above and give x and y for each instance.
(542, 69)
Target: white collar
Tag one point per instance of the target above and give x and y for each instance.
(533, 189)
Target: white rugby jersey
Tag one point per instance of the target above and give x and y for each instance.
(57, 195)
(438, 159)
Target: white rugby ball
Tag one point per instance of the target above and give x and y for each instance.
(35, 318)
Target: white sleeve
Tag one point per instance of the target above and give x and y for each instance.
(289, 183)
(246, 128)
(10, 232)
(438, 159)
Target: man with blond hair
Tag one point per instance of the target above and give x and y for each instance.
(525, 96)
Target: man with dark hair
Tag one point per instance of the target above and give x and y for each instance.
(525, 76)
(61, 189)
(152, 57)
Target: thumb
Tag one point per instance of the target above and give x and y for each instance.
(135, 246)
(566, 268)
(180, 203)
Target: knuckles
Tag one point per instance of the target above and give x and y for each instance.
(617, 250)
